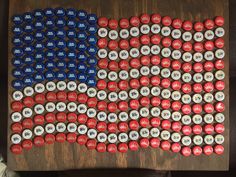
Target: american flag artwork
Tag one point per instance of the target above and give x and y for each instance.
(117, 85)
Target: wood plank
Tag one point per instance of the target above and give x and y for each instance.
(67, 156)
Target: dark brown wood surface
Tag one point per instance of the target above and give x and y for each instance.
(72, 156)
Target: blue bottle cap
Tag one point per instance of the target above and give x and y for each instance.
(39, 77)
(17, 51)
(92, 19)
(28, 80)
(60, 23)
(82, 46)
(82, 25)
(71, 65)
(50, 44)
(39, 35)
(50, 23)
(60, 75)
(82, 56)
(28, 28)
(71, 44)
(81, 36)
(50, 34)
(48, 12)
(17, 19)
(71, 75)
(82, 67)
(71, 23)
(28, 38)
(38, 13)
(50, 54)
(28, 49)
(82, 15)
(50, 65)
(28, 17)
(38, 25)
(39, 66)
(17, 84)
(39, 56)
(38, 46)
(49, 75)
(17, 73)
(60, 33)
(92, 61)
(60, 12)
(82, 77)
(61, 65)
(61, 54)
(92, 50)
(91, 81)
(71, 54)
(92, 39)
(92, 29)
(29, 59)
(28, 70)
(17, 41)
(71, 34)
(17, 30)
(61, 44)
(71, 13)
(17, 62)
(91, 71)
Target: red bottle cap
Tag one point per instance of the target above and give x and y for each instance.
(187, 46)
(209, 129)
(50, 96)
(155, 122)
(103, 21)
(60, 137)
(220, 107)
(144, 101)
(101, 126)
(91, 123)
(112, 44)
(176, 105)
(113, 66)
(219, 64)
(144, 143)
(50, 117)
(155, 39)
(134, 104)
(123, 85)
(208, 87)
(134, 42)
(197, 88)
(197, 129)
(165, 124)
(103, 63)
(155, 80)
(156, 18)
(208, 66)
(82, 98)
(135, 63)
(82, 118)
(219, 43)
(123, 106)
(72, 96)
(134, 21)
(102, 43)
(165, 145)
(40, 98)
(165, 62)
(112, 86)
(219, 21)
(28, 102)
(186, 88)
(145, 18)
(71, 117)
(145, 60)
(134, 125)
(155, 101)
(145, 39)
(111, 148)
(144, 122)
(198, 26)
(175, 147)
(92, 102)
(197, 150)
(101, 147)
(27, 144)
(133, 145)
(176, 44)
(27, 123)
(165, 104)
(39, 119)
(102, 105)
(122, 147)
(112, 127)
(186, 151)
(112, 107)
(209, 45)
(61, 117)
(209, 24)
(38, 141)
(165, 83)
(154, 142)
(176, 85)
(61, 96)
(101, 84)
(16, 127)
(113, 24)
(219, 128)
(219, 149)
(176, 126)
(123, 64)
(208, 150)
(144, 80)
(82, 139)
(197, 108)
(155, 60)
(166, 21)
(187, 25)
(91, 144)
(177, 23)
(220, 85)
(198, 47)
(124, 23)
(198, 67)
(16, 149)
(187, 67)
(186, 130)
(71, 137)
(124, 44)
(208, 108)
(166, 41)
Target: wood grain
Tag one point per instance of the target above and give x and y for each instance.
(72, 156)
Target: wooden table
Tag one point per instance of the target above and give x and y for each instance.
(72, 156)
